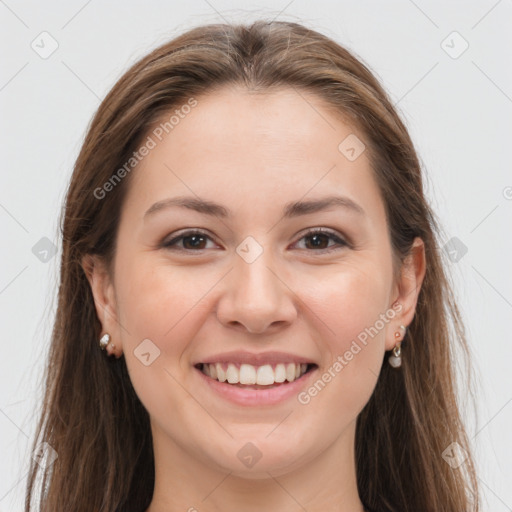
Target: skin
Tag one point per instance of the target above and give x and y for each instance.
(253, 154)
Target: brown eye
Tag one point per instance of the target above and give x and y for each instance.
(191, 241)
(194, 241)
(319, 240)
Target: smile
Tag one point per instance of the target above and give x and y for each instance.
(247, 374)
(246, 384)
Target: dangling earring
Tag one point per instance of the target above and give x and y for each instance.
(104, 341)
(395, 359)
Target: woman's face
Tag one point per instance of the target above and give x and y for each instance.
(258, 286)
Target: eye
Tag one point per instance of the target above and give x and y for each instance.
(195, 241)
(319, 237)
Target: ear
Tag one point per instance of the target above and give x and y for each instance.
(407, 291)
(102, 289)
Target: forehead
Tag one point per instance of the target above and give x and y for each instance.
(235, 146)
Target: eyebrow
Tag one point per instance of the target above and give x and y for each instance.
(293, 209)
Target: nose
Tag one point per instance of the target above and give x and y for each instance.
(256, 297)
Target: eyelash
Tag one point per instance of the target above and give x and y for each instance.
(171, 244)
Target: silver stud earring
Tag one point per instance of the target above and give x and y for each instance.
(395, 359)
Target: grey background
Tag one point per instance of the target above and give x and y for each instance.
(456, 105)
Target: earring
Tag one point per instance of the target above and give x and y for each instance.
(104, 341)
(105, 344)
(395, 360)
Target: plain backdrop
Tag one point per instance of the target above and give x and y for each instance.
(447, 68)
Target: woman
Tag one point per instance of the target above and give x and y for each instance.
(253, 312)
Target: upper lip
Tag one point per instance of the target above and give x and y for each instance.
(255, 359)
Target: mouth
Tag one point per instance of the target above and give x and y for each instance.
(250, 377)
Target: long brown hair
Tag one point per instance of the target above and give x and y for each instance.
(91, 415)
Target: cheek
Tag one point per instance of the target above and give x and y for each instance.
(159, 301)
(162, 304)
(352, 310)
(348, 301)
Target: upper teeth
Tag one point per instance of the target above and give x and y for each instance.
(249, 374)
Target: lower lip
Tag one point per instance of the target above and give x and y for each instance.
(241, 396)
